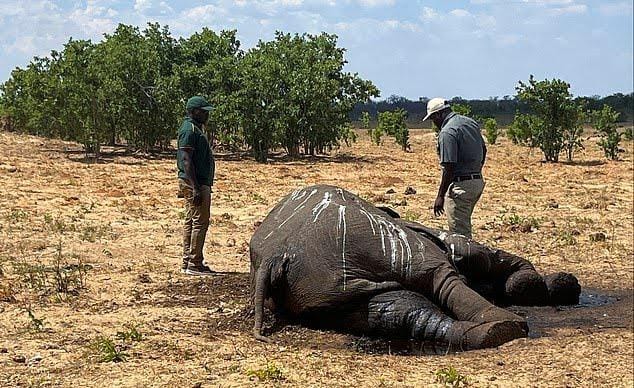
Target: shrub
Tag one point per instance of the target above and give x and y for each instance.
(393, 124)
(450, 377)
(491, 130)
(269, 373)
(604, 121)
(558, 116)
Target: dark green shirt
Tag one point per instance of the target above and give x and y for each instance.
(192, 137)
(460, 142)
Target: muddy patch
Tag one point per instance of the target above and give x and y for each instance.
(597, 310)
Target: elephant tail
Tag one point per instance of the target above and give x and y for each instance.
(262, 285)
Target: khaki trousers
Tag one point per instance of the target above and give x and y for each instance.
(196, 223)
(460, 200)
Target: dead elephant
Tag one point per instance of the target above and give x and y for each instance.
(328, 258)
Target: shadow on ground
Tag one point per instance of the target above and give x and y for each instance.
(226, 298)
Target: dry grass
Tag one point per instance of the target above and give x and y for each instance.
(93, 250)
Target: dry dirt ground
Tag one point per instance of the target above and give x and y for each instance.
(90, 256)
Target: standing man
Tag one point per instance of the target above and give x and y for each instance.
(462, 152)
(196, 167)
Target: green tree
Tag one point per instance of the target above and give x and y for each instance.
(604, 121)
(573, 129)
(208, 65)
(393, 124)
(296, 95)
(551, 101)
(461, 109)
(365, 122)
(522, 129)
(491, 130)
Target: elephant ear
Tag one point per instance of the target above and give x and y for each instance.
(390, 212)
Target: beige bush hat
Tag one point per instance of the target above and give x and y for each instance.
(435, 105)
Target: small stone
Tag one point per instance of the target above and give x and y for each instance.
(145, 278)
(19, 359)
(4, 350)
(231, 242)
(500, 363)
(598, 237)
(553, 205)
(390, 191)
(410, 190)
(403, 202)
(35, 359)
(197, 385)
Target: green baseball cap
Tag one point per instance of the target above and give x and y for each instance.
(198, 102)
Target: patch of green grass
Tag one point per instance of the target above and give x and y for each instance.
(17, 215)
(58, 224)
(255, 197)
(270, 372)
(131, 334)
(107, 351)
(567, 237)
(450, 377)
(62, 278)
(411, 216)
(91, 232)
(35, 324)
(516, 222)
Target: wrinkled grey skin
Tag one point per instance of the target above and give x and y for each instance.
(329, 258)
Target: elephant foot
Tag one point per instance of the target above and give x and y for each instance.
(526, 288)
(470, 336)
(496, 314)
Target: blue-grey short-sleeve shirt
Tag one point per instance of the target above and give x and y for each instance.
(460, 142)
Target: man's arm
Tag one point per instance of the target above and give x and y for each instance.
(190, 173)
(445, 181)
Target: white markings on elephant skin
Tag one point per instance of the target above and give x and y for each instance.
(298, 207)
(341, 227)
(340, 191)
(397, 238)
(295, 195)
(322, 205)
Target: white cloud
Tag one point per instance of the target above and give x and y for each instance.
(461, 13)
(508, 39)
(570, 9)
(203, 14)
(152, 7)
(376, 3)
(616, 9)
(428, 14)
(393, 24)
(23, 44)
(549, 2)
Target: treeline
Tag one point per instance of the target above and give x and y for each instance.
(131, 88)
(502, 110)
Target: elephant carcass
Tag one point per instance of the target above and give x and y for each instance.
(325, 255)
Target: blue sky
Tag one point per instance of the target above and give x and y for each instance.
(411, 48)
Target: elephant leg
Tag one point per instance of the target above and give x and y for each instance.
(409, 315)
(466, 304)
(504, 277)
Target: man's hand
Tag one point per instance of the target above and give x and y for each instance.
(439, 206)
(196, 197)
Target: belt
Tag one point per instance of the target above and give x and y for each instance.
(467, 177)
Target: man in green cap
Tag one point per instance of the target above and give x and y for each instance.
(196, 167)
